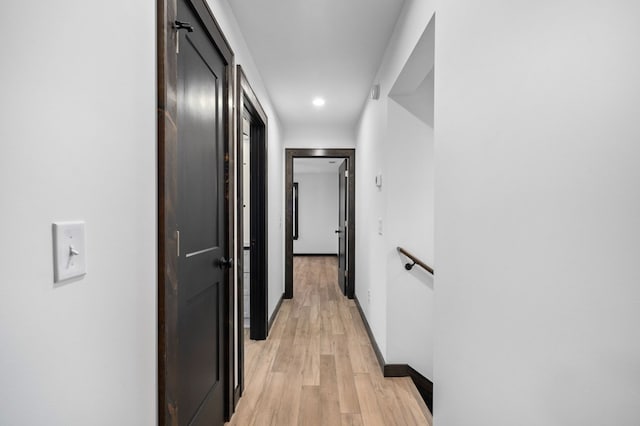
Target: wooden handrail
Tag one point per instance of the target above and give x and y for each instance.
(416, 261)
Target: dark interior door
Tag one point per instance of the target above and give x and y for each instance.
(201, 226)
(342, 227)
(259, 269)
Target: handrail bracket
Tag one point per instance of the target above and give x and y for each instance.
(409, 266)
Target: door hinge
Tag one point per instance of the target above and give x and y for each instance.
(180, 25)
(346, 173)
(178, 243)
(177, 26)
(345, 273)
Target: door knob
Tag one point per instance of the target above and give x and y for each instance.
(225, 263)
(338, 231)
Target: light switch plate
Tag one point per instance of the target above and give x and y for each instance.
(69, 253)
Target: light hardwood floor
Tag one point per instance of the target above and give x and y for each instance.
(318, 367)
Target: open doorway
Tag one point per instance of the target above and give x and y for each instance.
(252, 283)
(325, 223)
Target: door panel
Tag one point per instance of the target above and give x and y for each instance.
(342, 227)
(200, 178)
(200, 223)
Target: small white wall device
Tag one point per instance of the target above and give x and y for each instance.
(375, 92)
(379, 180)
(69, 252)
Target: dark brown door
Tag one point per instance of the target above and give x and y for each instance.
(201, 226)
(342, 227)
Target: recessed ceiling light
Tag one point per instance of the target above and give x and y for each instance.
(318, 102)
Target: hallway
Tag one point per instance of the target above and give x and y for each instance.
(318, 367)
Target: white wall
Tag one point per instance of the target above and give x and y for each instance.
(78, 143)
(319, 137)
(408, 182)
(370, 257)
(317, 213)
(537, 213)
(383, 287)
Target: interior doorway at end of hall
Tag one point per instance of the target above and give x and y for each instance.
(320, 219)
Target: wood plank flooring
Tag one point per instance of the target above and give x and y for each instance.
(318, 367)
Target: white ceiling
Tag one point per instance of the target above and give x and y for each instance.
(309, 48)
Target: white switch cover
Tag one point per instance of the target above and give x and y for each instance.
(69, 253)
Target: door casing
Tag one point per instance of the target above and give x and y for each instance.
(350, 156)
(248, 104)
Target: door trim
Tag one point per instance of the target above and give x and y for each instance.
(167, 83)
(247, 102)
(290, 154)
